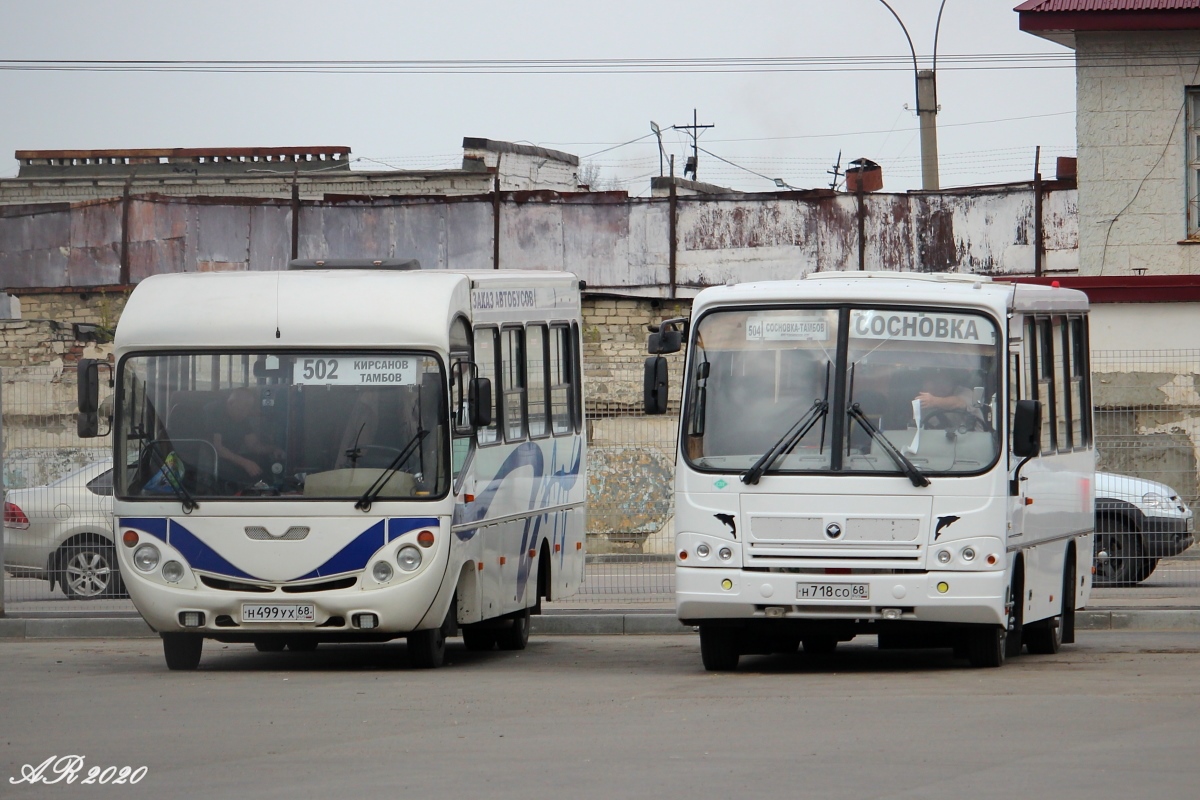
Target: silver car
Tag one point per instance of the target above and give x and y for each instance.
(63, 533)
(1138, 522)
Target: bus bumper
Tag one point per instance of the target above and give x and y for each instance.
(953, 597)
(338, 614)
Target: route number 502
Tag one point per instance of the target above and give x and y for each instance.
(320, 369)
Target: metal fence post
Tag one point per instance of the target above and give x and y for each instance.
(2, 487)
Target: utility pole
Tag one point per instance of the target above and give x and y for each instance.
(836, 172)
(927, 115)
(693, 130)
(927, 105)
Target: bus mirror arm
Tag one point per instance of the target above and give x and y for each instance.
(1014, 485)
(1026, 438)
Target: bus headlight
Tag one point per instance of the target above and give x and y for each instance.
(725, 553)
(943, 556)
(172, 572)
(702, 550)
(408, 557)
(146, 557)
(382, 571)
(968, 554)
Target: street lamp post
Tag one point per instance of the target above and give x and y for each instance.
(927, 105)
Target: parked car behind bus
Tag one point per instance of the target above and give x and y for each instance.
(1138, 522)
(62, 533)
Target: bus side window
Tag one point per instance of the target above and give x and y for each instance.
(561, 392)
(535, 374)
(1045, 388)
(1079, 371)
(1062, 399)
(512, 365)
(486, 350)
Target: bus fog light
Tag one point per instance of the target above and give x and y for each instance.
(382, 571)
(968, 554)
(146, 557)
(727, 584)
(408, 557)
(172, 571)
(943, 556)
(702, 550)
(365, 621)
(725, 553)
(191, 619)
(775, 612)
(943, 587)
(890, 613)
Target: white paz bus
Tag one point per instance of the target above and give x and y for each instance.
(334, 454)
(898, 454)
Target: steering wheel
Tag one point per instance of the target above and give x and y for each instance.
(960, 421)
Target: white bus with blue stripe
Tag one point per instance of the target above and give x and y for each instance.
(336, 453)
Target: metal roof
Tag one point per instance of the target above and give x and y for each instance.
(1036, 6)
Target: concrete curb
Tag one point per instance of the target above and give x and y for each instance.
(602, 623)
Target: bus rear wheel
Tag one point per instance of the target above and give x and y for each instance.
(719, 648)
(182, 650)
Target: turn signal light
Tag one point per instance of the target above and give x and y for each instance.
(683, 555)
(425, 538)
(129, 538)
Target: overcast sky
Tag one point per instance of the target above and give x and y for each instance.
(789, 125)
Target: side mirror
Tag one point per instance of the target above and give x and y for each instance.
(87, 424)
(479, 396)
(666, 337)
(1027, 429)
(654, 386)
(88, 386)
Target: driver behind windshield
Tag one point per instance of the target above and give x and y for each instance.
(941, 390)
(236, 436)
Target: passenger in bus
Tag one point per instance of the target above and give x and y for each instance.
(235, 427)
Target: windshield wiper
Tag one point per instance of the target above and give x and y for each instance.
(786, 442)
(171, 479)
(907, 467)
(372, 492)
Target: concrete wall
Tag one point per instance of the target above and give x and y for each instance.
(1130, 121)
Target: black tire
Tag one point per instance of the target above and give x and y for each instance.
(269, 645)
(987, 646)
(87, 569)
(182, 650)
(516, 635)
(719, 648)
(820, 645)
(1145, 568)
(479, 640)
(1118, 553)
(427, 649)
(304, 645)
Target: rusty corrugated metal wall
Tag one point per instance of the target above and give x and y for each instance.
(616, 244)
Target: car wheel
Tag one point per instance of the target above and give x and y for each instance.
(1118, 553)
(88, 569)
(182, 650)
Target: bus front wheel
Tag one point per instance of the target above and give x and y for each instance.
(182, 650)
(516, 635)
(719, 648)
(987, 646)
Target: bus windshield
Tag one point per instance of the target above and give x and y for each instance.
(915, 392)
(319, 425)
